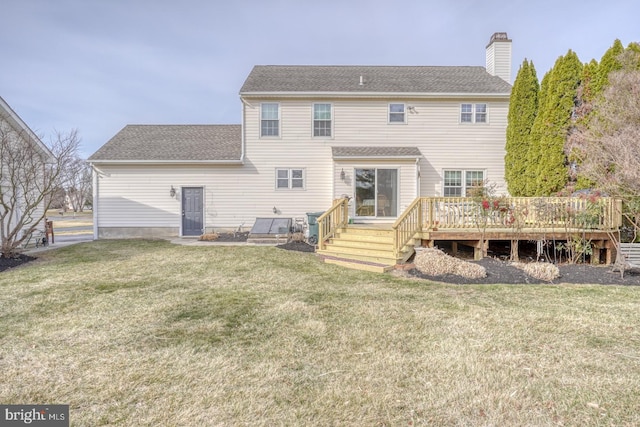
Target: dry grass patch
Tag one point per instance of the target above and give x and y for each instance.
(539, 270)
(434, 262)
(147, 333)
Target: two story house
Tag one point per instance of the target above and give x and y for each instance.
(378, 135)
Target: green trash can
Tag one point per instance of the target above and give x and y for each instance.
(312, 220)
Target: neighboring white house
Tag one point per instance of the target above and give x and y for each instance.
(382, 135)
(15, 133)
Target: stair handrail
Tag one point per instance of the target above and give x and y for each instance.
(333, 219)
(407, 225)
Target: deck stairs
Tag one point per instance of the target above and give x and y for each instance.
(364, 247)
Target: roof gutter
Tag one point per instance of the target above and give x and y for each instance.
(425, 95)
(377, 157)
(168, 162)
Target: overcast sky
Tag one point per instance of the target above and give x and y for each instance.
(98, 65)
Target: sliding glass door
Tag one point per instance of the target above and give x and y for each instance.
(376, 192)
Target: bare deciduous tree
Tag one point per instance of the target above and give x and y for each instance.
(77, 182)
(609, 146)
(29, 175)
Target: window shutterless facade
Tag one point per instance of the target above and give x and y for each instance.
(269, 119)
(288, 179)
(397, 113)
(473, 113)
(322, 118)
(460, 183)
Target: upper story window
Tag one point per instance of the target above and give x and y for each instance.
(289, 179)
(397, 113)
(473, 113)
(460, 183)
(270, 119)
(321, 119)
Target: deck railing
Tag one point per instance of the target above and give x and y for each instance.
(604, 213)
(560, 213)
(333, 219)
(407, 225)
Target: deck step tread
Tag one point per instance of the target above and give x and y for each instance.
(358, 264)
(372, 247)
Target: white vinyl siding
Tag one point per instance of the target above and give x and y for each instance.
(498, 60)
(16, 135)
(435, 130)
(137, 196)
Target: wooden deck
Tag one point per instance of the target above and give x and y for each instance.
(476, 222)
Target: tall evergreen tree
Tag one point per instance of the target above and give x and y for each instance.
(631, 58)
(582, 113)
(552, 124)
(533, 153)
(586, 91)
(523, 107)
(610, 62)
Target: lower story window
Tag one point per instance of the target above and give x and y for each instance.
(289, 178)
(460, 183)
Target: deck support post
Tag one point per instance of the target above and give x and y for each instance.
(595, 251)
(479, 249)
(515, 257)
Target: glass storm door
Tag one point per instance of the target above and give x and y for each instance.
(376, 193)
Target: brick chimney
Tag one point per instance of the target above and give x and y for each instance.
(499, 56)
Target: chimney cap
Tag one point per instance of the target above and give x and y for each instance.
(499, 37)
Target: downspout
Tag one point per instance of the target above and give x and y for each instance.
(243, 131)
(419, 194)
(96, 199)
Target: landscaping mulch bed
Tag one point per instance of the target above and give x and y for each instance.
(242, 237)
(11, 262)
(232, 237)
(297, 246)
(503, 272)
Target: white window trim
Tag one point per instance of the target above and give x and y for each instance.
(313, 120)
(464, 179)
(473, 113)
(279, 135)
(290, 179)
(404, 113)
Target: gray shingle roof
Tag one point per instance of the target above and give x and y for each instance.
(381, 152)
(383, 79)
(191, 143)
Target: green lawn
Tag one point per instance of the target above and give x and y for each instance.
(145, 333)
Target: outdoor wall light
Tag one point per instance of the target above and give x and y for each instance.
(172, 192)
(275, 210)
(343, 175)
